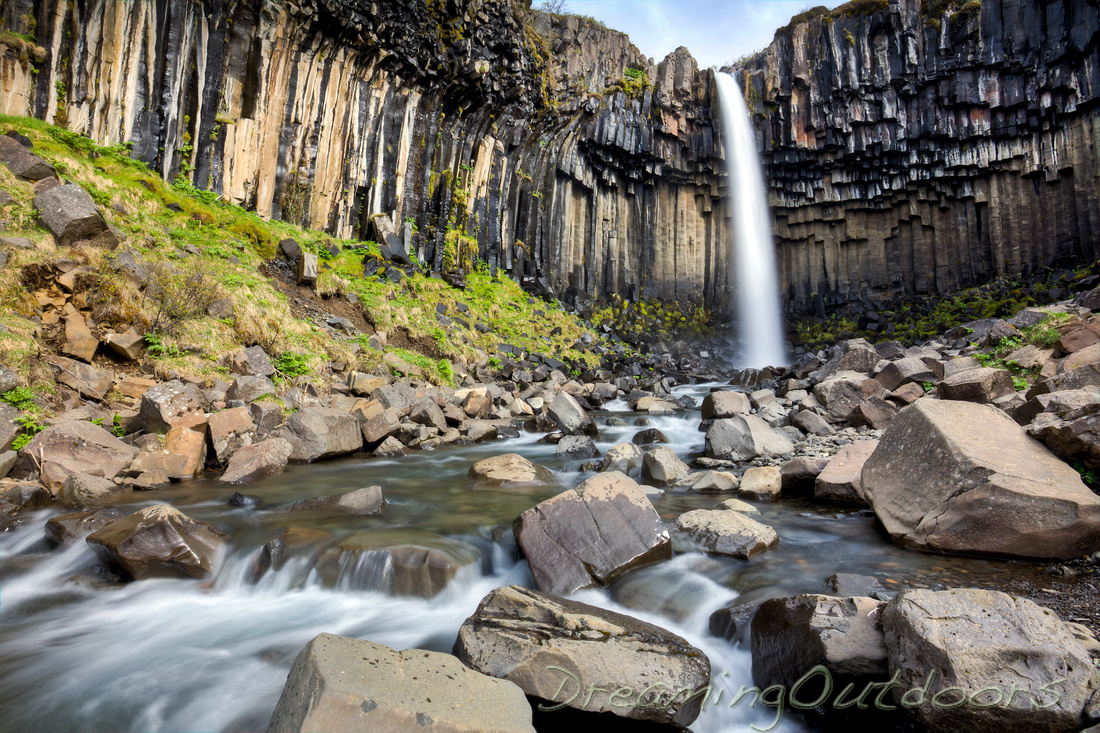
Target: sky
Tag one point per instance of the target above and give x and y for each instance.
(715, 31)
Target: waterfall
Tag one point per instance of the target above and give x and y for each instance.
(759, 323)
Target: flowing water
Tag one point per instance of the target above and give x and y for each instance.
(80, 654)
(759, 321)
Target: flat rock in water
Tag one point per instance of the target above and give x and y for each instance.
(978, 645)
(622, 457)
(64, 529)
(510, 469)
(762, 483)
(343, 684)
(415, 564)
(662, 467)
(81, 491)
(157, 542)
(707, 481)
(367, 500)
(591, 534)
(963, 477)
(555, 649)
(726, 532)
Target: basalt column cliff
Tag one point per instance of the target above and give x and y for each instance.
(922, 147)
(546, 146)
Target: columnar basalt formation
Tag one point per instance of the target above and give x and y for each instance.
(919, 147)
(548, 143)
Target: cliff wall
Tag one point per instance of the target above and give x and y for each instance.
(522, 132)
(922, 147)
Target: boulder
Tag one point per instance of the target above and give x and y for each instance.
(1074, 441)
(259, 460)
(810, 422)
(64, 529)
(726, 532)
(427, 412)
(378, 422)
(842, 393)
(190, 442)
(622, 457)
(127, 346)
(158, 541)
(591, 534)
(982, 385)
(1083, 377)
(839, 482)
(963, 477)
(81, 491)
(229, 431)
(799, 475)
(9, 380)
(266, 416)
(736, 505)
(708, 481)
(477, 403)
(510, 469)
(576, 447)
(69, 213)
(873, 412)
(905, 371)
(307, 270)
(762, 483)
(418, 566)
(790, 636)
(389, 448)
(1057, 403)
(317, 433)
(398, 397)
(251, 362)
(363, 384)
(1079, 338)
(23, 163)
(28, 496)
(570, 416)
(907, 394)
(343, 684)
(662, 467)
(744, 437)
(84, 378)
(367, 500)
(1015, 664)
(723, 404)
(250, 389)
(854, 355)
(169, 405)
(77, 447)
(557, 650)
(79, 341)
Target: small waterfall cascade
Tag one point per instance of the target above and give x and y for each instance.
(759, 321)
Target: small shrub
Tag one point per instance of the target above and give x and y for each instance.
(172, 296)
(290, 364)
(21, 399)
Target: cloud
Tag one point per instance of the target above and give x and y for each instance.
(715, 31)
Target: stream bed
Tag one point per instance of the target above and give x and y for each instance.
(81, 654)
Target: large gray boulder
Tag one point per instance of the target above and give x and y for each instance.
(963, 477)
(723, 404)
(69, 213)
(343, 684)
(622, 457)
(158, 542)
(22, 162)
(974, 648)
(841, 480)
(791, 636)
(81, 491)
(64, 529)
(317, 433)
(252, 362)
(983, 385)
(1076, 441)
(726, 532)
(744, 437)
(556, 650)
(843, 392)
(591, 534)
(170, 405)
(259, 460)
(662, 467)
(570, 416)
(77, 447)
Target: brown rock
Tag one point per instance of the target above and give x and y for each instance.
(79, 341)
(977, 385)
(591, 534)
(135, 387)
(189, 442)
(907, 394)
(726, 403)
(963, 477)
(252, 362)
(840, 481)
(257, 461)
(367, 500)
(129, 345)
(170, 405)
(510, 469)
(81, 491)
(230, 430)
(799, 474)
(724, 532)
(1079, 338)
(79, 447)
(158, 541)
(874, 412)
(542, 643)
(84, 378)
(64, 529)
(763, 483)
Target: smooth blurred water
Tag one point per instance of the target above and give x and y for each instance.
(186, 655)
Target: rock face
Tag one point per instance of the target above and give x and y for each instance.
(984, 644)
(338, 683)
(158, 542)
(552, 648)
(591, 534)
(884, 182)
(963, 477)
